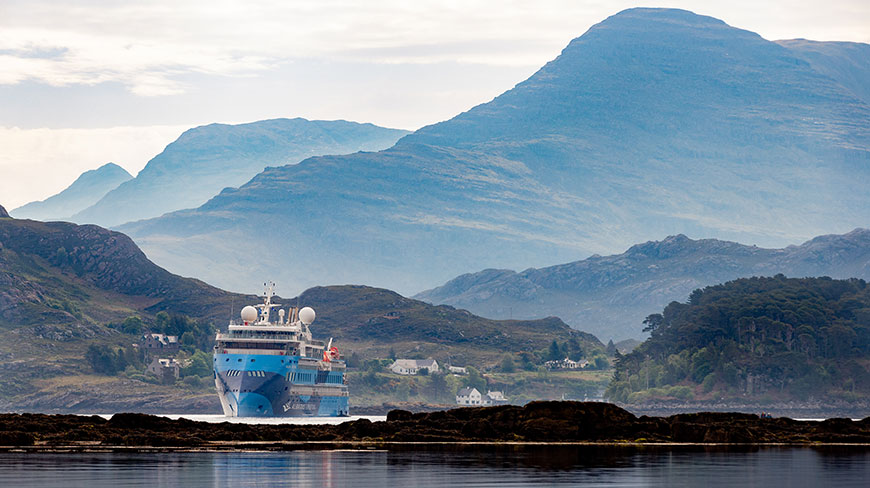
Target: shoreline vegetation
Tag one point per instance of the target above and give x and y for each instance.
(537, 423)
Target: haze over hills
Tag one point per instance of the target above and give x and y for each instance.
(611, 295)
(654, 122)
(206, 159)
(85, 191)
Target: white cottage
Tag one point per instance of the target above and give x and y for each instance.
(495, 398)
(413, 366)
(469, 396)
(457, 370)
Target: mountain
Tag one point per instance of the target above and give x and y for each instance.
(654, 122)
(755, 339)
(611, 295)
(206, 159)
(62, 274)
(3, 213)
(58, 273)
(85, 191)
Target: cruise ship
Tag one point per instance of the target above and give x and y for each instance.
(273, 368)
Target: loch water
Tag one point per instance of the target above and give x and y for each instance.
(470, 466)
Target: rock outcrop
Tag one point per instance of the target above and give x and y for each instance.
(535, 422)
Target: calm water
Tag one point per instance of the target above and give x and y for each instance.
(270, 420)
(502, 467)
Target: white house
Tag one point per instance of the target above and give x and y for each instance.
(469, 396)
(413, 366)
(494, 398)
(457, 370)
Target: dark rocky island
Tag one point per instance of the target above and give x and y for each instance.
(536, 422)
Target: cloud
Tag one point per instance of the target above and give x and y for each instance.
(150, 46)
(38, 163)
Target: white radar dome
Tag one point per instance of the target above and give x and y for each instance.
(249, 314)
(306, 315)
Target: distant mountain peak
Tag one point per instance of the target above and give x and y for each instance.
(669, 246)
(3, 212)
(89, 187)
(206, 159)
(653, 122)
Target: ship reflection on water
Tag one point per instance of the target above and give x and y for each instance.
(504, 466)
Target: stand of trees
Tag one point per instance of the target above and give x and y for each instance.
(776, 338)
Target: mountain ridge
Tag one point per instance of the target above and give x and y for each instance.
(610, 295)
(208, 158)
(86, 190)
(653, 122)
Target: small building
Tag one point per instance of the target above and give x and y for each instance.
(469, 396)
(165, 369)
(162, 342)
(413, 366)
(566, 363)
(457, 370)
(494, 398)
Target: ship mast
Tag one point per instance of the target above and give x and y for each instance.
(267, 305)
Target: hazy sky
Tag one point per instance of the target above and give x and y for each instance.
(86, 82)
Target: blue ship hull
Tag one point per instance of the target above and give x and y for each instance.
(260, 385)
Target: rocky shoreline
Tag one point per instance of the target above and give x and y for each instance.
(536, 422)
(799, 410)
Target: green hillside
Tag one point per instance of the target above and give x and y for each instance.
(374, 321)
(74, 299)
(756, 339)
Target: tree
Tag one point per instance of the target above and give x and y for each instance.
(554, 353)
(610, 350)
(132, 325)
(507, 365)
(103, 359)
(527, 360)
(475, 379)
(436, 389)
(61, 257)
(199, 365)
(575, 352)
(652, 322)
